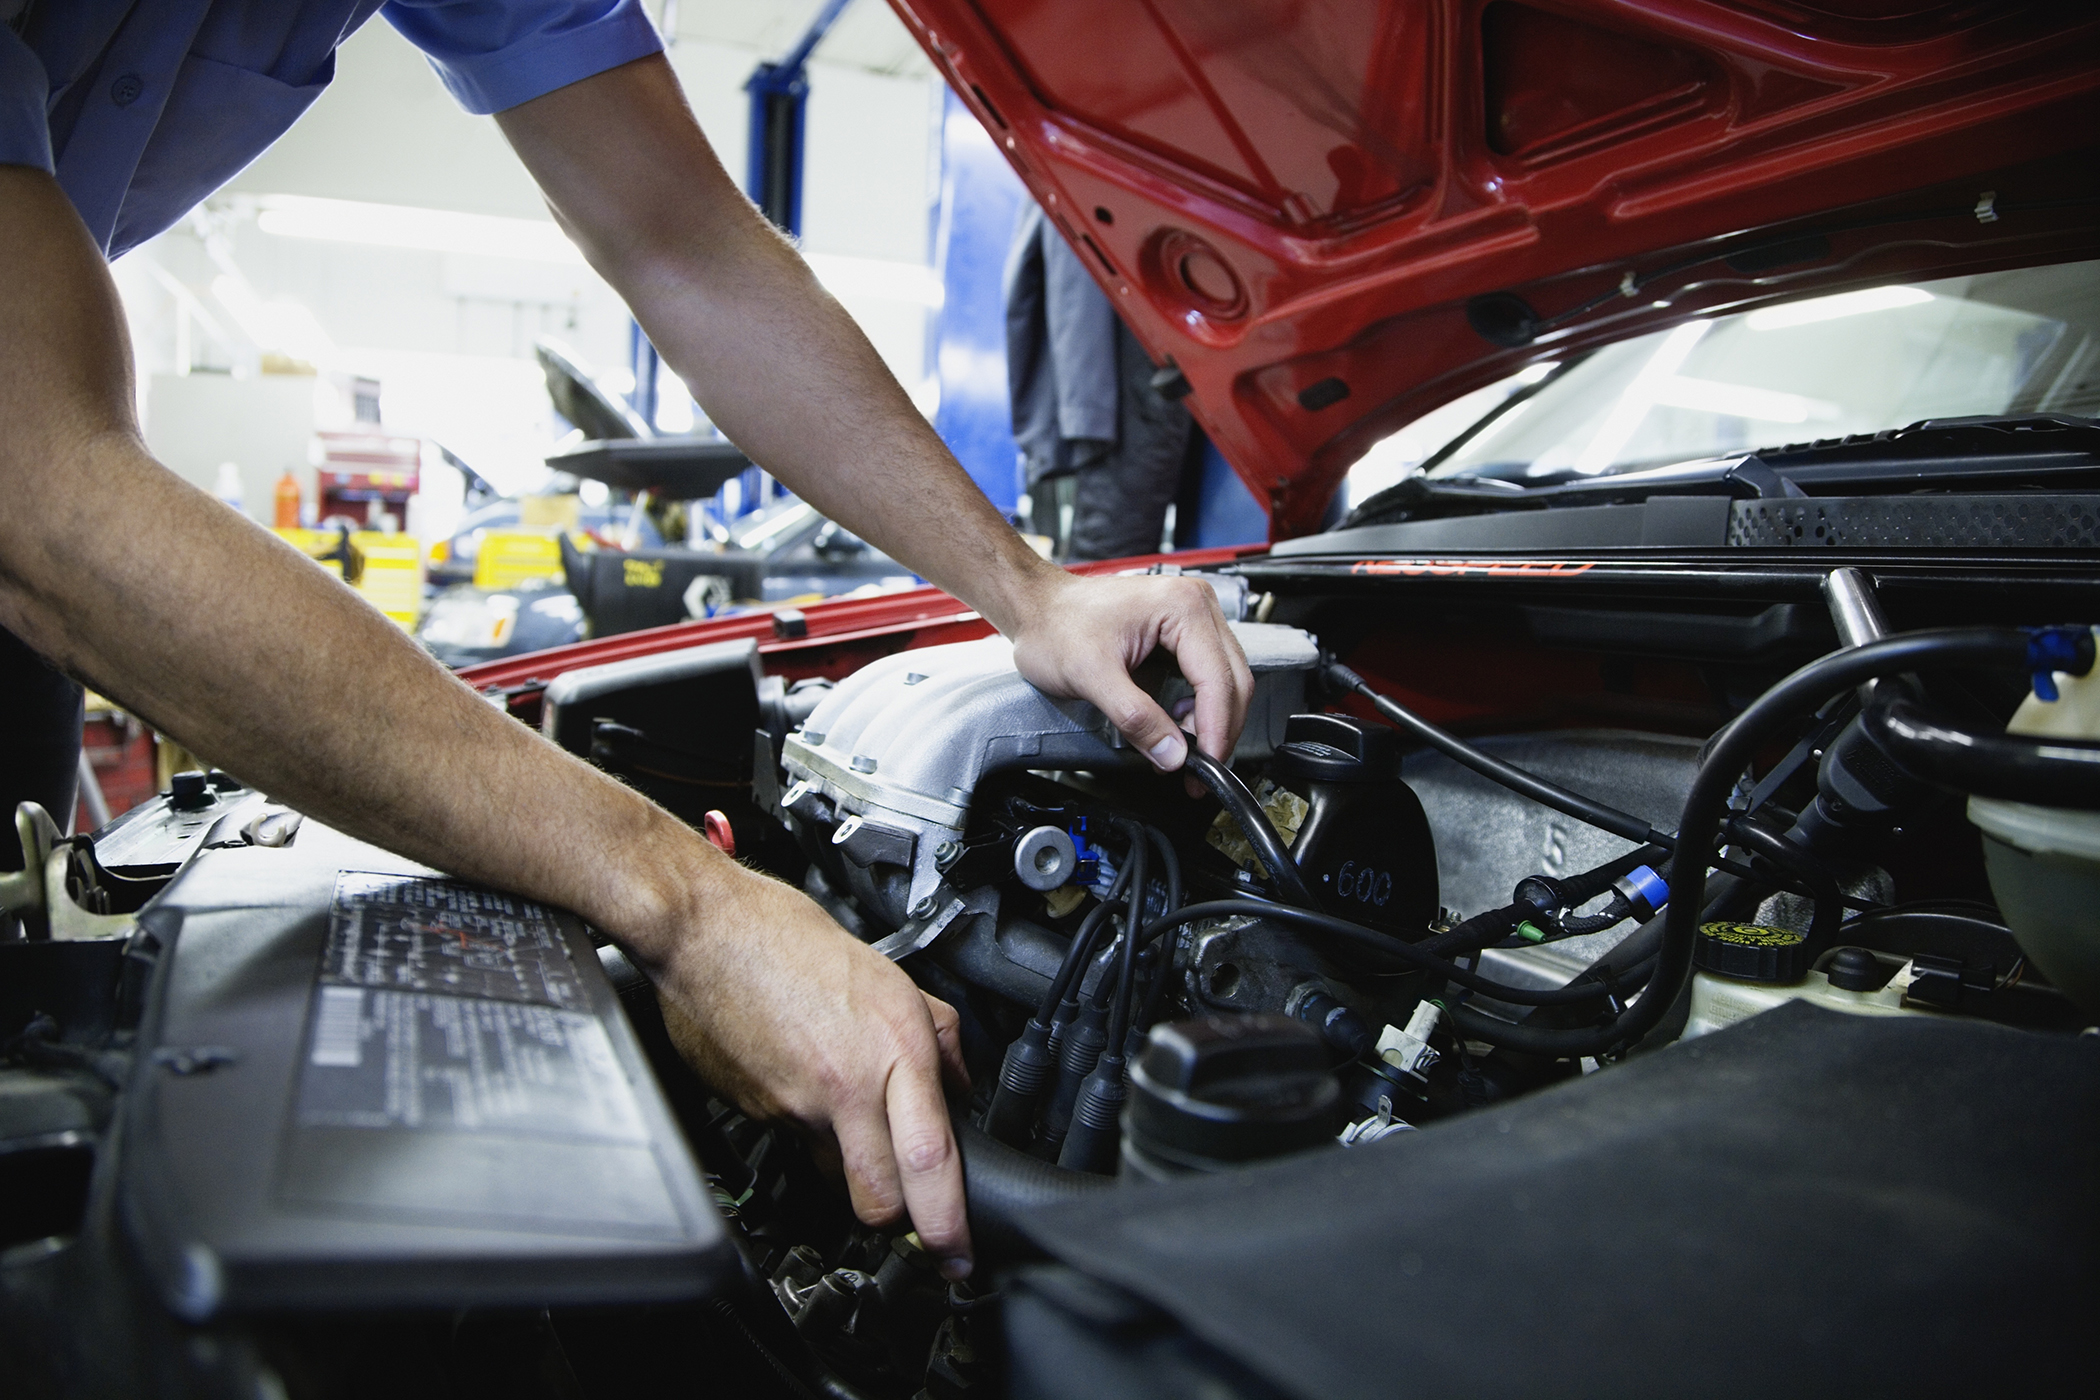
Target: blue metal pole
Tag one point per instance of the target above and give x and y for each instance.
(644, 361)
(779, 94)
(773, 167)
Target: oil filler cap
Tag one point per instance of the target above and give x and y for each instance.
(1335, 749)
(1752, 952)
(1207, 1095)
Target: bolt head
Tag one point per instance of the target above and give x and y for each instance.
(922, 908)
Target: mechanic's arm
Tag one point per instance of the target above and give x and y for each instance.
(788, 375)
(225, 637)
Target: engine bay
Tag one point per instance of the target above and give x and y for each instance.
(1366, 930)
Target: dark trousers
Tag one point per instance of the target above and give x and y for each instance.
(39, 740)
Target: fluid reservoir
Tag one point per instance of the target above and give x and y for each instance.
(1742, 969)
(1364, 846)
(2044, 862)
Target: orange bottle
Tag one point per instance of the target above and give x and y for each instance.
(287, 501)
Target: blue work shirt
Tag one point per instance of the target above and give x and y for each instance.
(141, 108)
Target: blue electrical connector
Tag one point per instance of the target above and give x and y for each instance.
(1643, 890)
(2053, 649)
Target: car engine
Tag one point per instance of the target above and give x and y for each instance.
(1365, 929)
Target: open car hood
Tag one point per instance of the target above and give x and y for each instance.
(1334, 215)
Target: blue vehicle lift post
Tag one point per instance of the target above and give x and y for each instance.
(773, 179)
(779, 93)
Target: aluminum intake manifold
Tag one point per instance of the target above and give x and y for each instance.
(890, 759)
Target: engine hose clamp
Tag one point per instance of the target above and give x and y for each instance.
(1608, 976)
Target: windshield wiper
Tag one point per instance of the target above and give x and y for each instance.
(1964, 445)
(1944, 454)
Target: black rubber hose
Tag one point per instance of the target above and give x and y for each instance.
(1081, 947)
(1581, 889)
(1163, 959)
(1560, 799)
(1369, 938)
(1068, 1004)
(1032, 1060)
(1563, 800)
(1626, 969)
(1583, 925)
(1254, 824)
(1157, 988)
(1169, 864)
(1126, 973)
(1001, 1183)
(1793, 857)
(1092, 1127)
(1157, 961)
(2048, 772)
(1471, 935)
(1497, 924)
(1706, 804)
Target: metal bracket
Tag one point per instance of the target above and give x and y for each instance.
(948, 908)
(36, 894)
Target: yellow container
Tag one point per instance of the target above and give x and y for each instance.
(510, 557)
(550, 512)
(313, 544)
(393, 575)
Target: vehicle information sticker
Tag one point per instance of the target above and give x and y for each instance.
(440, 1005)
(386, 1059)
(416, 934)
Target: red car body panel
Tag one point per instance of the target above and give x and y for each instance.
(1294, 200)
(1284, 196)
(843, 634)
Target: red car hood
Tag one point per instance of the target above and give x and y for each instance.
(1334, 215)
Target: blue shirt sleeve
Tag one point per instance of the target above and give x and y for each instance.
(25, 128)
(495, 54)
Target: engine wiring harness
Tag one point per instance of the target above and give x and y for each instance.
(1064, 1079)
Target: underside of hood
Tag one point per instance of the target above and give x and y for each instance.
(1334, 215)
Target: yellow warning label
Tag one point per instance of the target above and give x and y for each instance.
(392, 579)
(509, 557)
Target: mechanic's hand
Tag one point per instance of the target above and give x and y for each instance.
(1085, 639)
(783, 1011)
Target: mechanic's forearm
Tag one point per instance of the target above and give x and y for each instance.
(772, 357)
(228, 639)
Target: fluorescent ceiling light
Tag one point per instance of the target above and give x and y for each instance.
(541, 240)
(1807, 313)
(1740, 401)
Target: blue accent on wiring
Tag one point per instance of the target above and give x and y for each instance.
(2053, 649)
(1090, 862)
(1650, 885)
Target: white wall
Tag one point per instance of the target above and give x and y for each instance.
(450, 335)
(263, 425)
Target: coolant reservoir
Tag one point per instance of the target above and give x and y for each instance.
(1742, 969)
(2044, 862)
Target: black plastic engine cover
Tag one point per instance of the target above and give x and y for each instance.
(1807, 1203)
(361, 1085)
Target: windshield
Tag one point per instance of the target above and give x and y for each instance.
(2026, 341)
